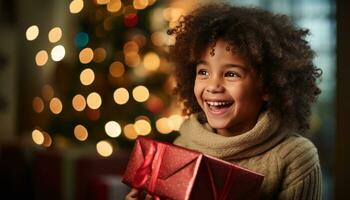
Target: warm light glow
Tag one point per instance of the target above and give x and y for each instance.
(116, 69)
(32, 32)
(114, 5)
(104, 148)
(37, 137)
(172, 14)
(158, 38)
(55, 34)
(86, 55)
(113, 129)
(142, 127)
(80, 132)
(47, 139)
(41, 58)
(151, 2)
(79, 102)
(76, 6)
(176, 121)
(38, 104)
(56, 105)
(130, 47)
(130, 132)
(164, 125)
(102, 2)
(151, 61)
(87, 76)
(58, 53)
(132, 59)
(140, 4)
(99, 55)
(140, 93)
(121, 96)
(47, 92)
(94, 100)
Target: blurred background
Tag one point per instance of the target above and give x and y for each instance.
(81, 79)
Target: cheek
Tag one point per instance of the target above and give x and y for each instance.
(198, 89)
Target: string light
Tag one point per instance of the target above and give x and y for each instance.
(99, 55)
(102, 2)
(38, 104)
(47, 92)
(121, 96)
(87, 76)
(41, 58)
(140, 93)
(37, 137)
(55, 34)
(86, 55)
(142, 127)
(130, 132)
(76, 6)
(56, 105)
(79, 102)
(94, 100)
(114, 6)
(32, 32)
(58, 53)
(47, 139)
(140, 4)
(113, 129)
(176, 121)
(104, 148)
(151, 61)
(80, 132)
(164, 125)
(116, 69)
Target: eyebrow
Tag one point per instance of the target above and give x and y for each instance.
(225, 65)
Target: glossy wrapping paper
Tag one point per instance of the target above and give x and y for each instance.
(172, 172)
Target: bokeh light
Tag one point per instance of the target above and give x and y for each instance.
(140, 4)
(55, 34)
(58, 53)
(47, 92)
(140, 93)
(38, 104)
(113, 129)
(87, 76)
(86, 55)
(32, 32)
(56, 105)
(116, 69)
(76, 6)
(47, 139)
(104, 148)
(164, 125)
(114, 5)
(81, 39)
(102, 2)
(130, 132)
(132, 59)
(78, 102)
(158, 38)
(41, 58)
(80, 132)
(99, 55)
(94, 100)
(131, 20)
(176, 121)
(37, 137)
(142, 127)
(151, 61)
(121, 96)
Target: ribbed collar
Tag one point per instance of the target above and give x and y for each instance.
(263, 136)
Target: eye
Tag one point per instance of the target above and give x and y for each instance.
(202, 72)
(232, 74)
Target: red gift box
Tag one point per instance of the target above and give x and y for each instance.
(173, 172)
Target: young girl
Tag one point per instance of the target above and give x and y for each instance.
(247, 79)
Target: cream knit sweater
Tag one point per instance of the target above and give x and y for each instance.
(288, 161)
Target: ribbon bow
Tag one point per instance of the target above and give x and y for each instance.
(149, 169)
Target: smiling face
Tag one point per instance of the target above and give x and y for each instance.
(228, 91)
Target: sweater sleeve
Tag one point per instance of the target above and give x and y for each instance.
(302, 171)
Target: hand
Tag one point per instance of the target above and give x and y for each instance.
(136, 194)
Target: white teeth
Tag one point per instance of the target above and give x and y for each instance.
(218, 103)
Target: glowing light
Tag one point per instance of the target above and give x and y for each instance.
(140, 93)
(93, 114)
(130, 132)
(132, 59)
(114, 5)
(87, 76)
(104, 148)
(58, 53)
(32, 32)
(47, 139)
(37, 137)
(121, 96)
(130, 47)
(80, 132)
(151, 2)
(164, 125)
(79, 102)
(38, 104)
(172, 14)
(140, 4)
(113, 129)
(55, 34)
(102, 2)
(76, 6)
(151, 61)
(99, 55)
(158, 38)
(176, 121)
(47, 92)
(142, 127)
(116, 69)
(81, 39)
(131, 20)
(56, 105)
(41, 58)
(94, 100)
(86, 55)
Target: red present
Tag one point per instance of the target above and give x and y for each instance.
(173, 172)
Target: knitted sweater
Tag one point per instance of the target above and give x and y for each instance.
(288, 161)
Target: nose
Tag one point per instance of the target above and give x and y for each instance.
(214, 85)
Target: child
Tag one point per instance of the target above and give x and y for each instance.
(247, 79)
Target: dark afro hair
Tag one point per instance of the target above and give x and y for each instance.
(275, 48)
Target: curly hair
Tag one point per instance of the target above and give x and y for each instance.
(275, 48)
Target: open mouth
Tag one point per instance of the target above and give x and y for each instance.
(218, 106)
